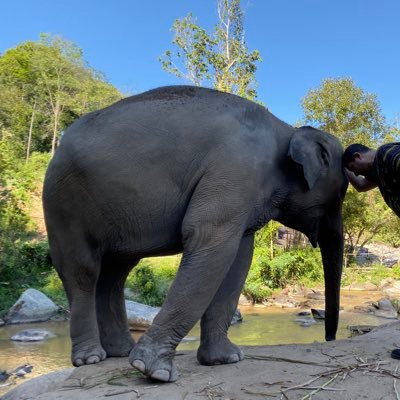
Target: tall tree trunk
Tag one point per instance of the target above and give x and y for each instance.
(28, 149)
(55, 128)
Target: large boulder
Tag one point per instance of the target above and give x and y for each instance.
(385, 309)
(140, 316)
(32, 306)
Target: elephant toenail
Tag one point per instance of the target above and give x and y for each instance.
(234, 358)
(161, 375)
(78, 362)
(139, 365)
(93, 360)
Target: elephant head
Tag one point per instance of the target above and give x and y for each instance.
(318, 184)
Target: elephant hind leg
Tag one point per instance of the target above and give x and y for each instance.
(115, 336)
(78, 266)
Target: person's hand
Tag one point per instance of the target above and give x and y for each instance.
(359, 182)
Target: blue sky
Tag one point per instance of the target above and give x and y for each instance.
(301, 42)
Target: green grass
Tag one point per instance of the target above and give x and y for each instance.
(373, 274)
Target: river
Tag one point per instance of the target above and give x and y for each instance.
(261, 326)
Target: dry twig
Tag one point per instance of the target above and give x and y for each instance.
(320, 388)
(272, 358)
(123, 392)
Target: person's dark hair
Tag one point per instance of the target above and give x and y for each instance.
(348, 155)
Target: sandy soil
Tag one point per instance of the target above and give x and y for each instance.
(358, 368)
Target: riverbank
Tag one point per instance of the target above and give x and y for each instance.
(359, 368)
(262, 326)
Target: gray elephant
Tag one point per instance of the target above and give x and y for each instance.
(183, 170)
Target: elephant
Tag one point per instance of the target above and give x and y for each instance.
(191, 170)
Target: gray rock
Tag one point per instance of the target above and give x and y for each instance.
(37, 386)
(129, 294)
(386, 309)
(244, 301)
(32, 335)
(392, 292)
(396, 284)
(2, 322)
(361, 286)
(366, 308)
(32, 306)
(304, 313)
(284, 301)
(315, 295)
(305, 321)
(386, 314)
(318, 314)
(386, 283)
(385, 305)
(140, 316)
(237, 317)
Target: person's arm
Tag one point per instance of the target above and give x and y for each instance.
(359, 182)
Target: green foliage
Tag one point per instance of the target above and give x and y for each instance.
(44, 87)
(23, 265)
(152, 278)
(302, 265)
(297, 265)
(390, 232)
(220, 59)
(340, 107)
(374, 274)
(365, 215)
(256, 286)
(54, 288)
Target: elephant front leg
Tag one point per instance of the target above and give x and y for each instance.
(215, 347)
(204, 265)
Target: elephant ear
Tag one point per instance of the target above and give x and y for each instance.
(308, 149)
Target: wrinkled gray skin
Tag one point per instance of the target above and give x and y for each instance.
(192, 170)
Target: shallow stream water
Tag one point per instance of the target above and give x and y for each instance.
(261, 326)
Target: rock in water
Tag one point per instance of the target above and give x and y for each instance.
(385, 309)
(306, 321)
(4, 375)
(318, 314)
(237, 317)
(140, 316)
(32, 306)
(32, 335)
(22, 370)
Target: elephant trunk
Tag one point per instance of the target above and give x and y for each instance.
(330, 239)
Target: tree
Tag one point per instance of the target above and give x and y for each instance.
(45, 86)
(219, 59)
(365, 215)
(340, 107)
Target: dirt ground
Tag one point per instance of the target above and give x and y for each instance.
(358, 368)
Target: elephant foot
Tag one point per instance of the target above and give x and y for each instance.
(88, 352)
(119, 345)
(218, 350)
(154, 360)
